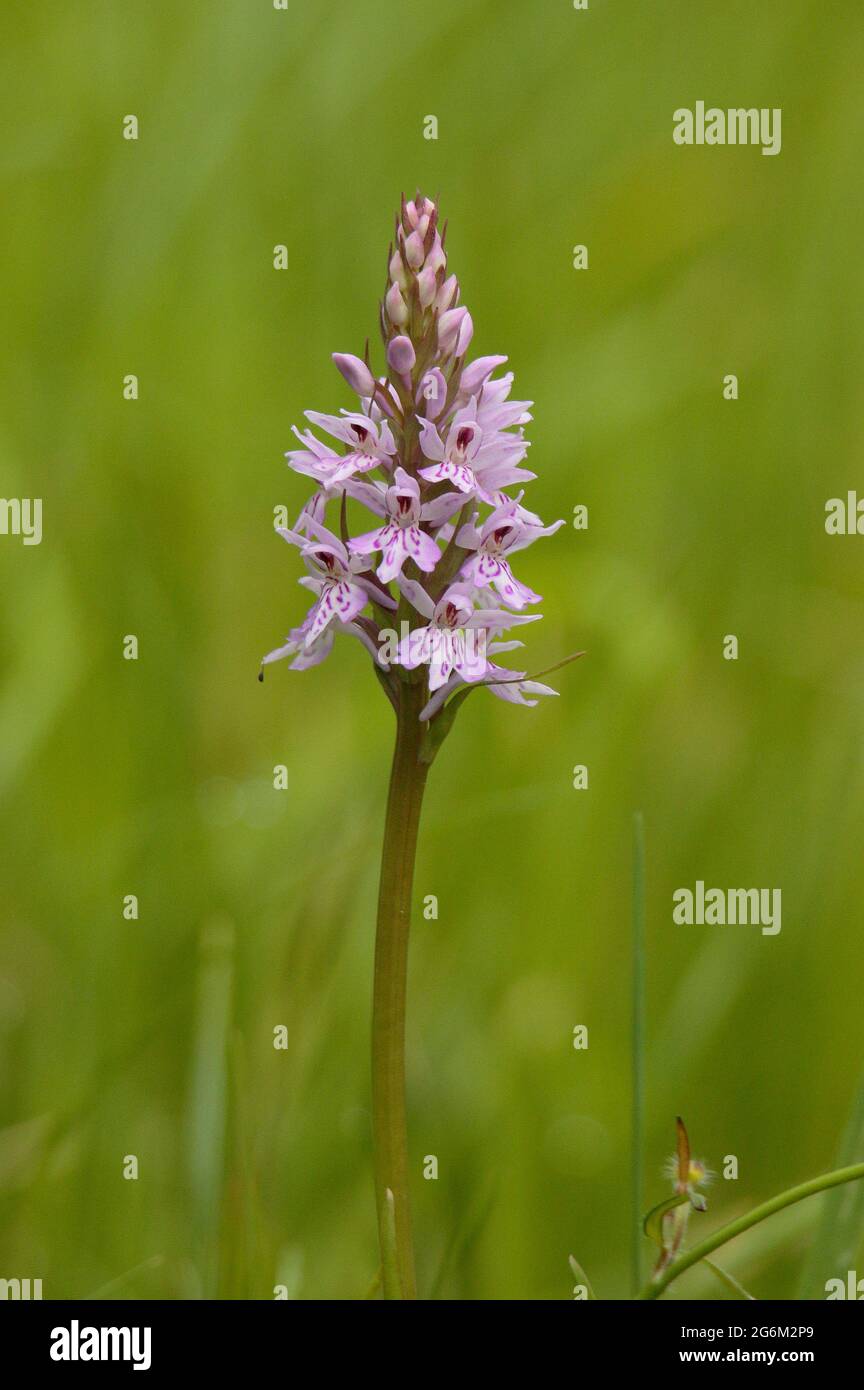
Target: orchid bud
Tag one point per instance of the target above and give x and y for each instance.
(401, 355)
(355, 372)
(397, 271)
(455, 331)
(395, 306)
(447, 294)
(466, 333)
(415, 252)
(437, 257)
(432, 390)
(427, 286)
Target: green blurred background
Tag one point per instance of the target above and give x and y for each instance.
(154, 1037)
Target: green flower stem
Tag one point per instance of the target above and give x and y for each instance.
(752, 1218)
(407, 781)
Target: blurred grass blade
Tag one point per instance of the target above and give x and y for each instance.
(122, 1281)
(241, 1244)
(465, 1235)
(372, 1291)
(206, 1135)
(729, 1280)
(390, 1264)
(290, 1264)
(839, 1234)
(581, 1277)
(637, 1139)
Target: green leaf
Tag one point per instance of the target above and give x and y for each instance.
(841, 1225)
(439, 728)
(547, 670)
(581, 1277)
(652, 1223)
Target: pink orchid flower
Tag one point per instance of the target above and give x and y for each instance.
(401, 537)
(312, 654)
(370, 445)
(502, 532)
(454, 639)
(474, 458)
(452, 459)
(334, 575)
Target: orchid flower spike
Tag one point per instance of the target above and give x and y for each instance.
(433, 449)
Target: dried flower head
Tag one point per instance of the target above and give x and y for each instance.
(686, 1173)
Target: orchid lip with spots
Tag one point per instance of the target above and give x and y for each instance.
(434, 451)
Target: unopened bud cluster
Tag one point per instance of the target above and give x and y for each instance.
(421, 307)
